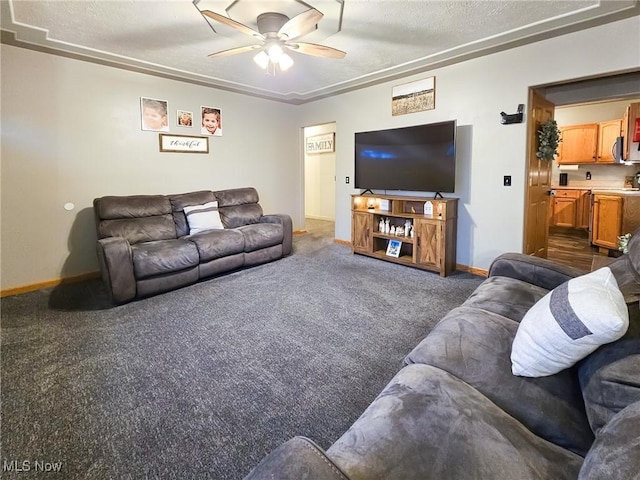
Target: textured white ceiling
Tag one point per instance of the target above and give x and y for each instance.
(383, 38)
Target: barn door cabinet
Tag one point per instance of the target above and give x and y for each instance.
(433, 245)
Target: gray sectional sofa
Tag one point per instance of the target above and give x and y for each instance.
(145, 246)
(456, 411)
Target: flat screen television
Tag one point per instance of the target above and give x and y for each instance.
(420, 158)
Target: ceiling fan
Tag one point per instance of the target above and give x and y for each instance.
(276, 33)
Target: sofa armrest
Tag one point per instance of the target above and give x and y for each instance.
(297, 459)
(287, 227)
(535, 270)
(116, 265)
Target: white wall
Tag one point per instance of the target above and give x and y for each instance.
(490, 216)
(71, 132)
(319, 178)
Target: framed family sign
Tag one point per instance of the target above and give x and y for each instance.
(325, 143)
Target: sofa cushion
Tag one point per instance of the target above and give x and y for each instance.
(131, 206)
(426, 423)
(218, 243)
(239, 206)
(569, 323)
(163, 256)
(261, 235)
(137, 230)
(237, 196)
(202, 218)
(615, 454)
(610, 376)
(239, 215)
(474, 345)
(181, 200)
(509, 297)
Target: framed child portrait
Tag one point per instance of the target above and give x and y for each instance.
(211, 118)
(184, 118)
(153, 115)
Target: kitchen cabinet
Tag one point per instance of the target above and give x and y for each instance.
(584, 209)
(608, 133)
(607, 220)
(579, 144)
(571, 208)
(589, 143)
(614, 215)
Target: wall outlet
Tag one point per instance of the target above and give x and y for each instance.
(346, 179)
(588, 175)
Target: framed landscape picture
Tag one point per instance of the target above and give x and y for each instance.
(414, 97)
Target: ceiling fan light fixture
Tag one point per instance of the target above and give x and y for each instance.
(275, 30)
(286, 62)
(262, 59)
(275, 52)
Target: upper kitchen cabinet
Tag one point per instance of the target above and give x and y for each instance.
(608, 134)
(589, 143)
(579, 144)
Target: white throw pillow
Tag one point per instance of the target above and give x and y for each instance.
(569, 323)
(203, 217)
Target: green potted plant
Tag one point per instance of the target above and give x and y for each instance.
(549, 139)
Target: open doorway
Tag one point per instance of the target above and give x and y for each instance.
(320, 179)
(599, 101)
(570, 224)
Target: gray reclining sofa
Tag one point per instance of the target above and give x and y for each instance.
(455, 411)
(144, 246)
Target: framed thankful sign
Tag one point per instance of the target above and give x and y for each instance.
(184, 143)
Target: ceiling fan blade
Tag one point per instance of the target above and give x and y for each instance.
(317, 50)
(233, 51)
(232, 23)
(301, 24)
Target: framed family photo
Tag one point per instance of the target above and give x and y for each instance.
(211, 121)
(414, 97)
(153, 115)
(393, 248)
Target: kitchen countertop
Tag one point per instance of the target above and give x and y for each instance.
(617, 191)
(602, 190)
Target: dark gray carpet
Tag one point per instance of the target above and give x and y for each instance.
(204, 381)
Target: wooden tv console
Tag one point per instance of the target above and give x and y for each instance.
(433, 246)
